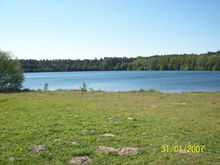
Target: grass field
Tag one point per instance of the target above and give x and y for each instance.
(58, 127)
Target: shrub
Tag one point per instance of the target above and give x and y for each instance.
(11, 73)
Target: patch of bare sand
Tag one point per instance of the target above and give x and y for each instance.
(120, 151)
(100, 139)
(128, 151)
(106, 149)
(108, 134)
(80, 160)
(89, 130)
(74, 143)
(58, 140)
(130, 118)
(37, 149)
(144, 133)
(179, 103)
(11, 159)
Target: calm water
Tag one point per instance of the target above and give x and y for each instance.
(165, 81)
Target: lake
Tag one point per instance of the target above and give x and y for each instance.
(164, 81)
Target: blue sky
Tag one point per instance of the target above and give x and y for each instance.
(79, 29)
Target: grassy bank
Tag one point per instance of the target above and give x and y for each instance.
(57, 127)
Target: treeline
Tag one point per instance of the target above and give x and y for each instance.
(207, 61)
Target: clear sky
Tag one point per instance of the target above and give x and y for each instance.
(79, 29)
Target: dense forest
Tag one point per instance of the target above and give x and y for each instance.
(207, 61)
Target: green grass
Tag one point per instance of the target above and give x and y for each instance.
(38, 118)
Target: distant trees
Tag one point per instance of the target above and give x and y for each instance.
(208, 61)
(11, 74)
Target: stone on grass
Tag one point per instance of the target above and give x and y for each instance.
(74, 143)
(128, 151)
(80, 160)
(108, 134)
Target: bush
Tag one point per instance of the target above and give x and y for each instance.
(11, 73)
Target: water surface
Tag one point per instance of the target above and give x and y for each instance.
(164, 81)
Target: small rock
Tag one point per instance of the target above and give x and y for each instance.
(80, 160)
(106, 149)
(128, 151)
(108, 134)
(74, 143)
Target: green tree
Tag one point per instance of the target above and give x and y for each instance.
(11, 73)
(207, 61)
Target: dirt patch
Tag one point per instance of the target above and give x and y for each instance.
(108, 134)
(106, 149)
(179, 103)
(74, 143)
(57, 140)
(11, 159)
(122, 151)
(80, 160)
(37, 149)
(128, 151)
(100, 139)
(89, 130)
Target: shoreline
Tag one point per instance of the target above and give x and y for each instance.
(96, 91)
(126, 71)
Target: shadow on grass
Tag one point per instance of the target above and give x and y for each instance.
(6, 90)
